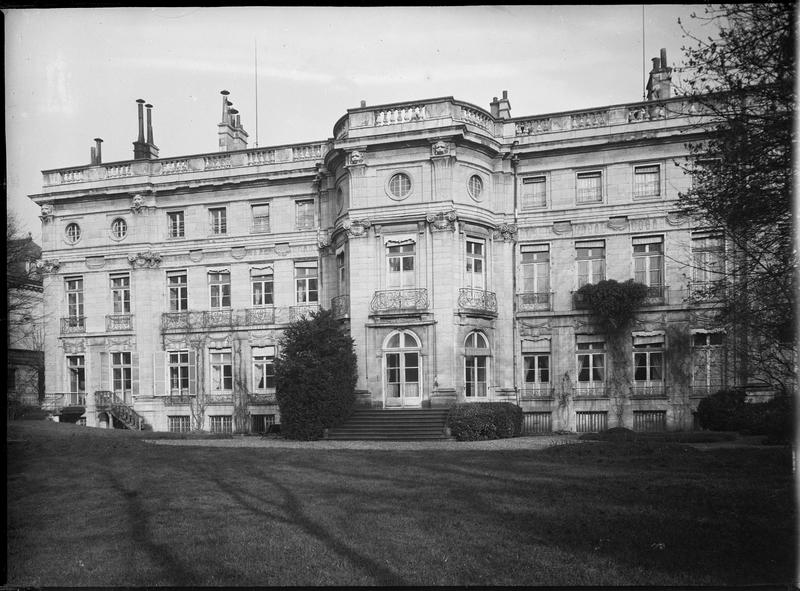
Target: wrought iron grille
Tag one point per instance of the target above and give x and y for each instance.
(400, 300)
(478, 300)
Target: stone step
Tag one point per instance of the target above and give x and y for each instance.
(392, 425)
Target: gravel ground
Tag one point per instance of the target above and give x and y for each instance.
(496, 444)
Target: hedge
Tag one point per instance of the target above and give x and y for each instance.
(475, 421)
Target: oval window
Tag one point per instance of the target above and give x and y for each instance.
(119, 229)
(475, 187)
(73, 233)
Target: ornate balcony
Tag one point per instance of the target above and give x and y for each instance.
(219, 398)
(590, 391)
(119, 322)
(341, 306)
(73, 324)
(477, 300)
(302, 311)
(218, 318)
(534, 301)
(260, 316)
(399, 301)
(539, 392)
(262, 398)
(59, 400)
(648, 390)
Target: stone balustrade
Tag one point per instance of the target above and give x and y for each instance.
(475, 117)
(400, 115)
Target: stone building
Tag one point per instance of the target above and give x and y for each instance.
(448, 239)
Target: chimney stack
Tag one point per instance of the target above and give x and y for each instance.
(232, 135)
(500, 109)
(144, 150)
(97, 156)
(659, 84)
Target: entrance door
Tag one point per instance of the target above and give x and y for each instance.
(402, 371)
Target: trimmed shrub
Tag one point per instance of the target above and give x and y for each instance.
(722, 411)
(315, 376)
(475, 421)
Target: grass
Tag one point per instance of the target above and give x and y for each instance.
(104, 508)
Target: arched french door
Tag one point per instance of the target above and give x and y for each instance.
(402, 370)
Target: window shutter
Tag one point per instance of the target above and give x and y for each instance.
(135, 373)
(192, 373)
(160, 387)
(105, 383)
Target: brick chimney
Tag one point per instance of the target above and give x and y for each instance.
(501, 109)
(144, 150)
(232, 135)
(659, 84)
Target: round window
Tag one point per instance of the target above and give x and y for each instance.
(119, 229)
(73, 233)
(475, 187)
(400, 185)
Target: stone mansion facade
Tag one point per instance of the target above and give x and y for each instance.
(449, 240)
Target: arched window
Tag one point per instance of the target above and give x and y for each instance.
(476, 365)
(402, 369)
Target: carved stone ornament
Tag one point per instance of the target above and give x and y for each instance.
(147, 259)
(238, 252)
(440, 149)
(442, 221)
(562, 227)
(618, 222)
(48, 265)
(508, 232)
(137, 203)
(676, 218)
(356, 228)
(323, 238)
(46, 213)
(196, 255)
(282, 249)
(73, 345)
(356, 157)
(112, 343)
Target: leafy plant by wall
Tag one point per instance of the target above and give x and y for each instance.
(315, 376)
(475, 421)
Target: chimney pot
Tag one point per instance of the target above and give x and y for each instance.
(656, 64)
(93, 155)
(363, 104)
(98, 157)
(663, 57)
(505, 94)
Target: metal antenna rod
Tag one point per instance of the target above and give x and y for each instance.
(644, 83)
(255, 50)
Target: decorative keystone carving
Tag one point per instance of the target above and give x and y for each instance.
(618, 222)
(73, 345)
(356, 228)
(323, 238)
(508, 232)
(147, 259)
(442, 221)
(562, 227)
(356, 157)
(676, 218)
(137, 204)
(48, 265)
(46, 213)
(283, 249)
(440, 149)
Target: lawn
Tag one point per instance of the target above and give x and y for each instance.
(104, 508)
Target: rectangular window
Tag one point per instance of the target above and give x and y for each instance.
(178, 423)
(261, 423)
(305, 214)
(708, 362)
(534, 192)
(589, 186)
(261, 283)
(648, 365)
(175, 226)
(591, 259)
(121, 294)
(121, 374)
(591, 421)
(400, 260)
(707, 258)
(537, 369)
(178, 373)
(341, 272)
(475, 378)
(650, 421)
(221, 423)
(536, 269)
(219, 285)
(177, 286)
(261, 217)
(263, 368)
(76, 373)
(591, 362)
(219, 220)
(305, 278)
(647, 181)
(648, 262)
(221, 370)
(74, 289)
(475, 276)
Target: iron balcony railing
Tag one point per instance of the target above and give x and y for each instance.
(656, 294)
(302, 311)
(399, 301)
(649, 390)
(116, 322)
(477, 300)
(262, 398)
(73, 324)
(534, 301)
(538, 392)
(264, 315)
(57, 401)
(341, 306)
(590, 391)
(109, 401)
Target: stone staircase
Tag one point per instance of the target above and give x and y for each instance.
(416, 424)
(113, 405)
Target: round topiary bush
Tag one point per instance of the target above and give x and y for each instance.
(722, 411)
(315, 376)
(475, 421)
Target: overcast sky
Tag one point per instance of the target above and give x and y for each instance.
(74, 74)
